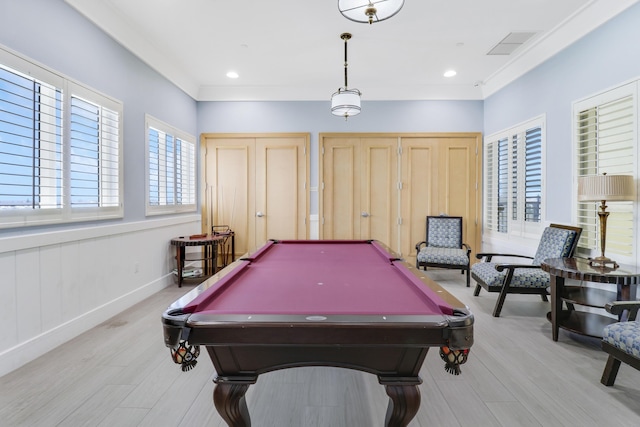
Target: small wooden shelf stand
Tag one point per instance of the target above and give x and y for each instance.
(218, 250)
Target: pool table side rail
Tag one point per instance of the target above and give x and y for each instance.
(314, 335)
(450, 299)
(215, 289)
(425, 293)
(411, 330)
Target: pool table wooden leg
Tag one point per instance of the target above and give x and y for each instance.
(404, 402)
(228, 397)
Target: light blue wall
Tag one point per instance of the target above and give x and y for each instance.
(54, 34)
(315, 117)
(605, 58)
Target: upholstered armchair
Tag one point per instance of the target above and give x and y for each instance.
(557, 241)
(621, 340)
(443, 247)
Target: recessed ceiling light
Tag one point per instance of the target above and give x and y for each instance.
(450, 73)
(232, 75)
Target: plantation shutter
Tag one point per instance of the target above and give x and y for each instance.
(503, 184)
(605, 144)
(157, 167)
(514, 164)
(94, 160)
(496, 181)
(186, 173)
(60, 148)
(490, 190)
(30, 143)
(533, 175)
(515, 182)
(172, 170)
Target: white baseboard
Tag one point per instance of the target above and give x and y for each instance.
(27, 351)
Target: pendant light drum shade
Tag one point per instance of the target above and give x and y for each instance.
(345, 103)
(369, 11)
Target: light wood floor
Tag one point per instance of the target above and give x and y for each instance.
(120, 374)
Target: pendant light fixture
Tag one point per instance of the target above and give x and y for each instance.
(345, 102)
(369, 11)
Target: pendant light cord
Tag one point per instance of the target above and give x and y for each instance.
(345, 61)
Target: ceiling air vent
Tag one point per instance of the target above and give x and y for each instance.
(510, 43)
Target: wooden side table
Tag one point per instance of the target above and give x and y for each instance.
(212, 245)
(581, 322)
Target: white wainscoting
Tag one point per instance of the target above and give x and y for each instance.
(56, 285)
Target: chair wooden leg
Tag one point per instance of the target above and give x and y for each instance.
(498, 308)
(610, 371)
(504, 290)
(544, 297)
(477, 291)
(468, 280)
(501, 297)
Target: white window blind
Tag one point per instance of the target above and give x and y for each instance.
(60, 148)
(515, 202)
(503, 184)
(606, 143)
(30, 143)
(533, 175)
(513, 171)
(496, 181)
(490, 191)
(171, 165)
(94, 159)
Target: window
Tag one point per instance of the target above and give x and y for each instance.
(513, 186)
(605, 142)
(171, 169)
(60, 148)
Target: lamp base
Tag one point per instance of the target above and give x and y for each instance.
(602, 262)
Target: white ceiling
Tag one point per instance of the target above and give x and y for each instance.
(291, 49)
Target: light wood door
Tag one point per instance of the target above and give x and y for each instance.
(358, 198)
(383, 186)
(419, 183)
(256, 184)
(378, 189)
(340, 188)
(439, 176)
(281, 194)
(229, 199)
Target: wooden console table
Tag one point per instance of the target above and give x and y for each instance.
(213, 245)
(626, 278)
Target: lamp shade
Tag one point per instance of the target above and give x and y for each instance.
(345, 103)
(595, 188)
(369, 11)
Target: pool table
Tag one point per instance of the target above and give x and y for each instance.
(293, 303)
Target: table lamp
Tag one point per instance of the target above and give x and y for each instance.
(603, 188)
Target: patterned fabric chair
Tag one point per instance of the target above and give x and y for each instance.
(557, 241)
(443, 247)
(621, 340)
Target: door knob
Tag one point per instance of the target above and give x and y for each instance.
(364, 214)
(259, 214)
